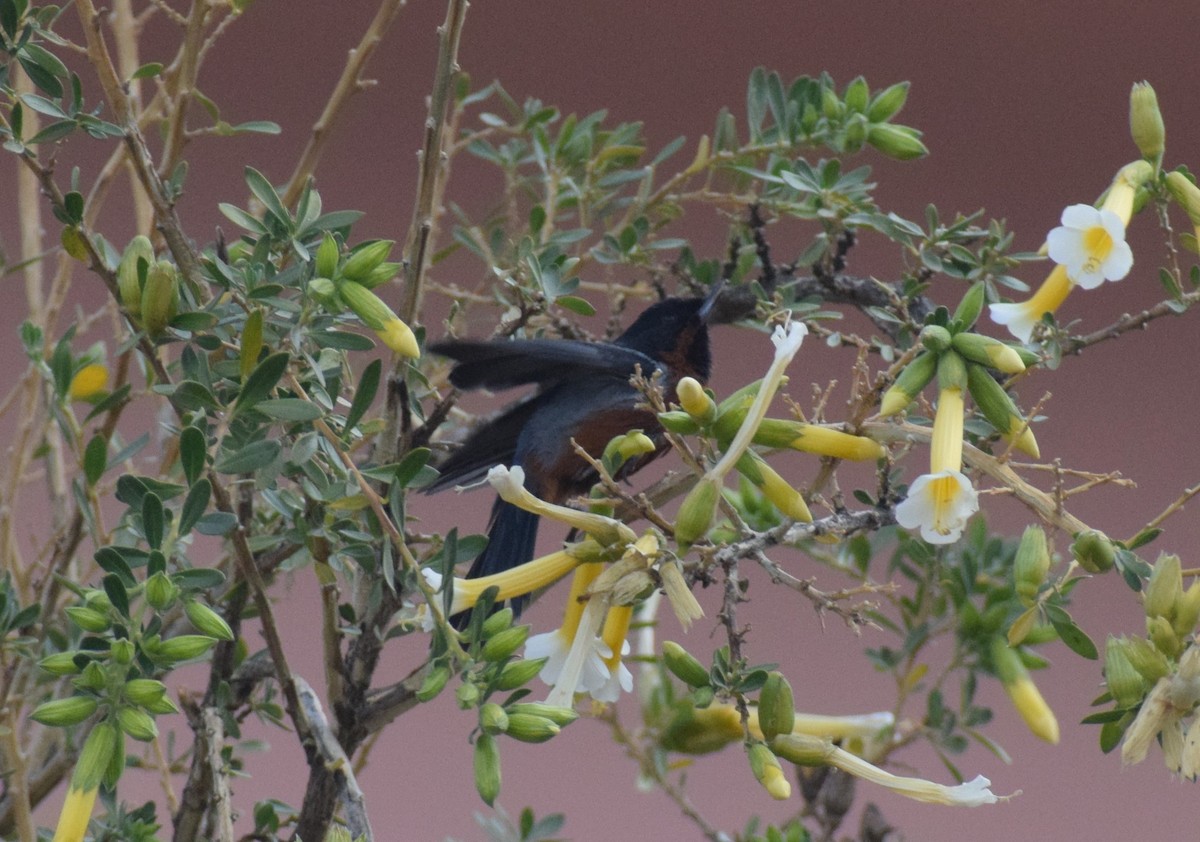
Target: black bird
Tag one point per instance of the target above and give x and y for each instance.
(583, 394)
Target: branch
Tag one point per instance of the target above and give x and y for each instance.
(326, 744)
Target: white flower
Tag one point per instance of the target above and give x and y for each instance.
(619, 678)
(1021, 316)
(940, 505)
(555, 646)
(1090, 243)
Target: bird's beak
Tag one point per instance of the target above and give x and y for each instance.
(713, 294)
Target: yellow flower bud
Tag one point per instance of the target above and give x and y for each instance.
(990, 352)
(695, 401)
(1025, 696)
(697, 511)
(1000, 411)
(915, 377)
(768, 772)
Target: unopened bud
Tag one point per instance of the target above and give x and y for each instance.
(497, 622)
(1145, 657)
(160, 297)
(695, 401)
(683, 665)
(775, 488)
(381, 274)
(899, 142)
(1164, 589)
(144, 691)
(60, 663)
(1126, 685)
(323, 290)
(1184, 191)
(1094, 552)
(968, 309)
(376, 315)
(915, 377)
(88, 382)
(528, 728)
(88, 619)
(185, 647)
(503, 644)
(1146, 122)
(493, 719)
(1031, 564)
(888, 102)
(695, 730)
(951, 371)
(137, 723)
(366, 257)
(102, 742)
(678, 421)
(161, 592)
(776, 707)
(519, 673)
(1025, 696)
(935, 338)
(326, 261)
(628, 446)
(697, 511)
(559, 715)
(1187, 611)
(487, 768)
(803, 749)
(207, 621)
(768, 772)
(122, 651)
(65, 712)
(1160, 632)
(990, 352)
(433, 683)
(1000, 411)
(129, 279)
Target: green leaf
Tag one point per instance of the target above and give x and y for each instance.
(368, 385)
(147, 71)
(341, 341)
(199, 578)
(60, 366)
(266, 194)
(252, 334)
(193, 453)
(194, 505)
(152, 519)
(131, 489)
(216, 523)
(194, 321)
(191, 395)
(290, 409)
(111, 561)
(95, 459)
(242, 219)
(1074, 637)
(261, 381)
(1144, 537)
(255, 127)
(41, 77)
(249, 459)
(577, 305)
(116, 592)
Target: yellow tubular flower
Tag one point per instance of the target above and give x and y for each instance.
(509, 483)
(517, 581)
(1021, 317)
(826, 442)
(945, 450)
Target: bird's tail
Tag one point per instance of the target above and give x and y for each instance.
(511, 540)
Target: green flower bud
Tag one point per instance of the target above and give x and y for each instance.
(60, 663)
(129, 280)
(88, 619)
(1160, 632)
(1032, 563)
(561, 716)
(62, 713)
(487, 768)
(528, 728)
(855, 133)
(122, 651)
(434, 681)
(1184, 191)
(91, 678)
(951, 371)
(116, 758)
(968, 309)
(144, 691)
(1187, 611)
(467, 695)
(206, 621)
(93, 763)
(493, 719)
(857, 94)
(160, 297)
(683, 665)
(161, 707)
(935, 338)
(381, 274)
(161, 592)
(701, 730)
(697, 511)
(323, 290)
(498, 622)
(137, 724)
(677, 421)
(768, 772)
(503, 644)
(1094, 552)
(888, 102)
(326, 261)
(1164, 589)
(366, 257)
(376, 315)
(519, 673)
(1127, 687)
(1146, 122)
(899, 142)
(1145, 657)
(776, 707)
(1000, 411)
(990, 352)
(184, 647)
(831, 106)
(915, 377)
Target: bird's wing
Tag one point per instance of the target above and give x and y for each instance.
(503, 365)
(494, 443)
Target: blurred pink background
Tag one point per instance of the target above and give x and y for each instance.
(1025, 111)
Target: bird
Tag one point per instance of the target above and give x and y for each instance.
(583, 393)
